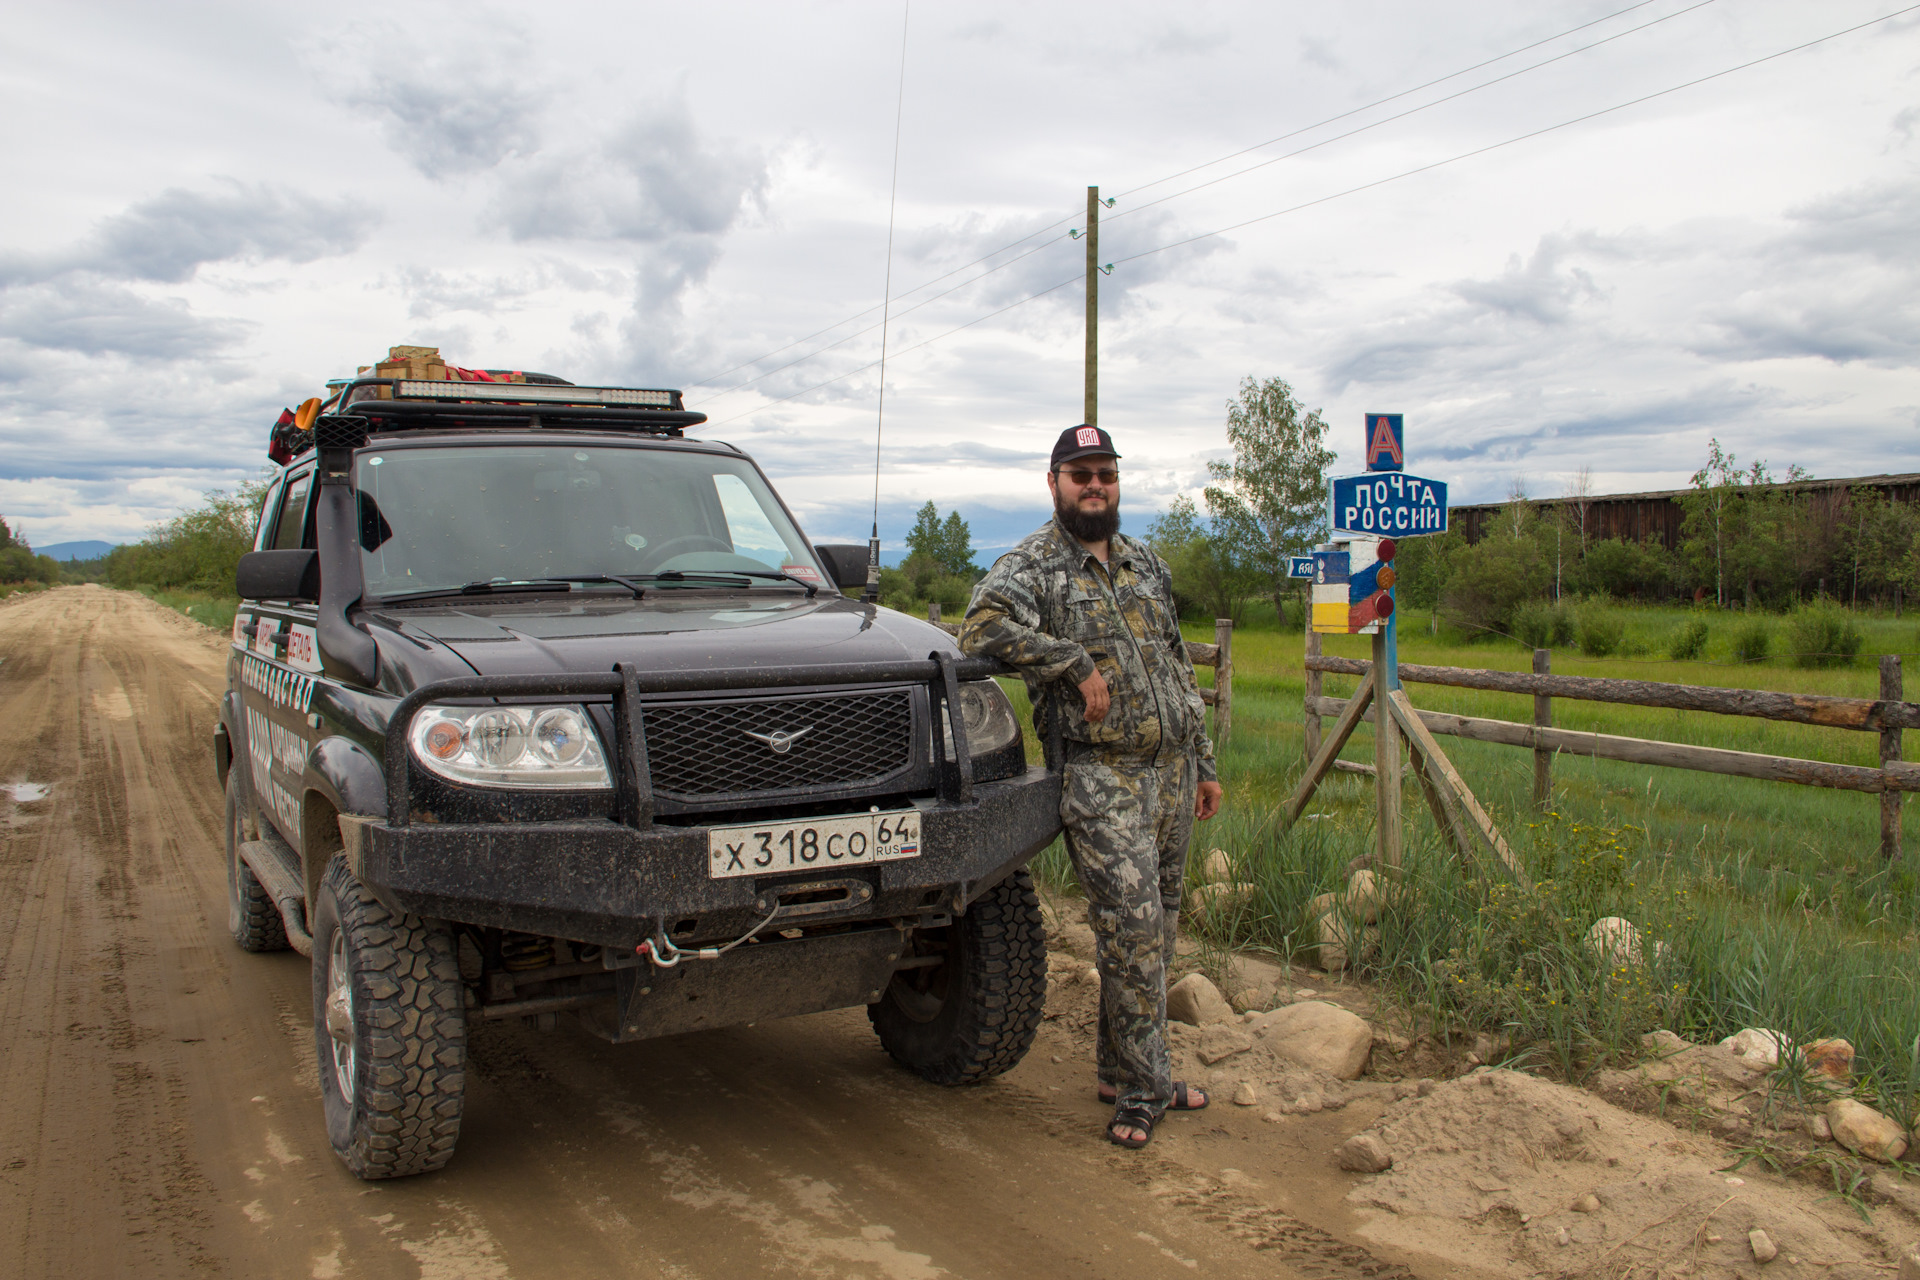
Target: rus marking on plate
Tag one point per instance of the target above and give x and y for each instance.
(1387, 504)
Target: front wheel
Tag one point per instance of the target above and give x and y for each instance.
(973, 1014)
(390, 1030)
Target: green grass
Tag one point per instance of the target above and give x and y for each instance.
(1772, 898)
(203, 607)
(17, 588)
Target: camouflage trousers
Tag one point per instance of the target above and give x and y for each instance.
(1127, 826)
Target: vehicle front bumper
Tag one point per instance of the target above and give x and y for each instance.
(612, 884)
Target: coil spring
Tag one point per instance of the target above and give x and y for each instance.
(520, 952)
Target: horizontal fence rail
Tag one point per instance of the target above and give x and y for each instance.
(1887, 716)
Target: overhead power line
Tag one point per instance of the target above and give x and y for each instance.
(1367, 186)
(1061, 222)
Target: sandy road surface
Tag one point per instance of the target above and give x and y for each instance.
(158, 1112)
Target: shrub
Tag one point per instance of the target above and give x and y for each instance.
(1624, 568)
(1751, 642)
(1491, 580)
(1539, 625)
(1600, 633)
(1822, 635)
(1689, 642)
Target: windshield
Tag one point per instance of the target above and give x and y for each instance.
(437, 519)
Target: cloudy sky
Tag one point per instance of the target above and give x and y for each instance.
(217, 206)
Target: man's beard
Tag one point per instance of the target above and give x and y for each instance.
(1085, 526)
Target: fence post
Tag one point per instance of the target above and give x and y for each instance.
(1542, 717)
(1890, 691)
(1313, 691)
(1222, 680)
(933, 611)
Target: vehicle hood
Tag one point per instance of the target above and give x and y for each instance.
(709, 631)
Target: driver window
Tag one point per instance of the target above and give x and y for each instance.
(263, 521)
(293, 514)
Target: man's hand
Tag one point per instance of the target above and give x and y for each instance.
(1206, 802)
(1094, 690)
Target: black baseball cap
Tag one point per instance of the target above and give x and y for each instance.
(1082, 441)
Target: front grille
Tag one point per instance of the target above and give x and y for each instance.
(703, 748)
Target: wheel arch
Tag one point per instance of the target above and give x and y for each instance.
(341, 777)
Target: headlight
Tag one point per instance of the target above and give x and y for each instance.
(510, 746)
(989, 718)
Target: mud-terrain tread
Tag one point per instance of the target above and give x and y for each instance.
(1005, 941)
(410, 1011)
(253, 917)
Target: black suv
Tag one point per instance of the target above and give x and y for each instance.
(541, 707)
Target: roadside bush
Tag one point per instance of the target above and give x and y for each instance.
(1622, 568)
(1490, 581)
(1600, 633)
(1752, 641)
(1539, 625)
(1689, 642)
(1822, 635)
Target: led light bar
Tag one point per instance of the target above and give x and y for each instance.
(530, 393)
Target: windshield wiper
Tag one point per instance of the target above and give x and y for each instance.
(772, 573)
(484, 587)
(629, 581)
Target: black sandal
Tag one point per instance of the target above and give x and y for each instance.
(1130, 1117)
(1182, 1101)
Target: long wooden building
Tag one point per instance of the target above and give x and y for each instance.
(1638, 517)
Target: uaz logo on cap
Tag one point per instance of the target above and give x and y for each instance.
(1087, 437)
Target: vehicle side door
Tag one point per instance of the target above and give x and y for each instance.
(279, 667)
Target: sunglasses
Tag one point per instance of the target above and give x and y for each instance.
(1083, 477)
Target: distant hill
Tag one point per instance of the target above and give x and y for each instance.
(90, 550)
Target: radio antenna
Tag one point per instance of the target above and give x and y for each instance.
(872, 592)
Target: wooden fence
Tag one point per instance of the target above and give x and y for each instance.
(1886, 716)
(1218, 655)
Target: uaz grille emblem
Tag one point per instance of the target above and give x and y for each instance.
(780, 740)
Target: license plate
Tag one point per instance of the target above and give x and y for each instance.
(855, 840)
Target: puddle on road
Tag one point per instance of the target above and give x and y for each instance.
(25, 792)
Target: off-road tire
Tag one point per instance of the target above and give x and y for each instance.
(974, 1016)
(253, 917)
(399, 1110)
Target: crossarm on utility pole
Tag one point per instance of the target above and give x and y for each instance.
(1330, 749)
(1423, 742)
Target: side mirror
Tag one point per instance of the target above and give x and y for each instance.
(847, 563)
(278, 575)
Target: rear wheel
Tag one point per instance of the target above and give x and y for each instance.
(390, 1031)
(253, 918)
(973, 1014)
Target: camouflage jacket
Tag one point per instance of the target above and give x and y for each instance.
(1049, 608)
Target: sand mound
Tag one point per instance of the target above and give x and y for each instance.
(1488, 1169)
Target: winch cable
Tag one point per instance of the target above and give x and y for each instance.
(872, 593)
(660, 949)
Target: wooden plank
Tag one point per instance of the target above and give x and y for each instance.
(1352, 766)
(1208, 696)
(1865, 714)
(1313, 692)
(1443, 816)
(1671, 755)
(1542, 717)
(1330, 749)
(1201, 654)
(1388, 827)
(1449, 778)
(1890, 690)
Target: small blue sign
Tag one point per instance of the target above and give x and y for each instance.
(1299, 566)
(1395, 505)
(1386, 442)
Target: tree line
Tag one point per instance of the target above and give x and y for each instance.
(19, 565)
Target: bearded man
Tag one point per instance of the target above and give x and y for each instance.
(1086, 615)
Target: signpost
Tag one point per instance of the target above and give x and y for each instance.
(1352, 593)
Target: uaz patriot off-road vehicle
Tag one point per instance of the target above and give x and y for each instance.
(536, 706)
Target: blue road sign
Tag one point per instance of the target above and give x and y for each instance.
(1299, 566)
(1393, 505)
(1386, 442)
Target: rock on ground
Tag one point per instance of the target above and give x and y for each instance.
(1364, 1153)
(1830, 1058)
(1315, 1034)
(1759, 1046)
(1195, 1001)
(1216, 868)
(1864, 1131)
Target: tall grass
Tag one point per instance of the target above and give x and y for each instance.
(206, 608)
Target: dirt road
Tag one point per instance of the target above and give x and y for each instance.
(160, 1116)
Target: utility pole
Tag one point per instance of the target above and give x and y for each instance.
(1093, 307)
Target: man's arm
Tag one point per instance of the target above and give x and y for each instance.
(1003, 621)
(1177, 644)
